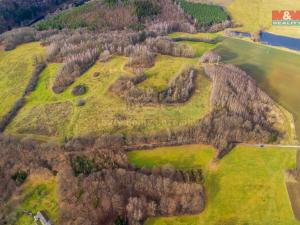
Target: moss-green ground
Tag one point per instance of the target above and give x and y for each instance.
(245, 187)
(16, 67)
(38, 194)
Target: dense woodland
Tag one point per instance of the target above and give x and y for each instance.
(23, 12)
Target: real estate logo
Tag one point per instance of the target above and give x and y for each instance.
(286, 18)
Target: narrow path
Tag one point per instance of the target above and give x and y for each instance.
(270, 146)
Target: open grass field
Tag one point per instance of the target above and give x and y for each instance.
(276, 71)
(245, 187)
(16, 67)
(209, 36)
(257, 14)
(38, 194)
(46, 114)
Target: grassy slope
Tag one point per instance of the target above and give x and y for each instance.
(208, 36)
(38, 194)
(48, 114)
(276, 71)
(256, 14)
(159, 76)
(15, 71)
(246, 187)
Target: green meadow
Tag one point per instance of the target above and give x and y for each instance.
(245, 187)
(158, 77)
(276, 71)
(36, 195)
(47, 114)
(16, 67)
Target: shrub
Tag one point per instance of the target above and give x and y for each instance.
(96, 74)
(81, 102)
(11, 114)
(19, 177)
(166, 47)
(81, 165)
(79, 90)
(40, 65)
(13, 38)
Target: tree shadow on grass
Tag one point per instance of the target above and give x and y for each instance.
(261, 77)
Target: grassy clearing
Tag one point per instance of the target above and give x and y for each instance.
(38, 194)
(245, 187)
(276, 71)
(160, 75)
(257, 14)
(50, 115)
(16, 67)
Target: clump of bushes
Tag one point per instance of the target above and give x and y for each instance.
(82, 165)
(167, 47)
(5, 120)
(105, 56)
(180, 89)
(13, 38)
(81, 102)
(79, 90)
(19, 177)
(141, 57)
(121, 221)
